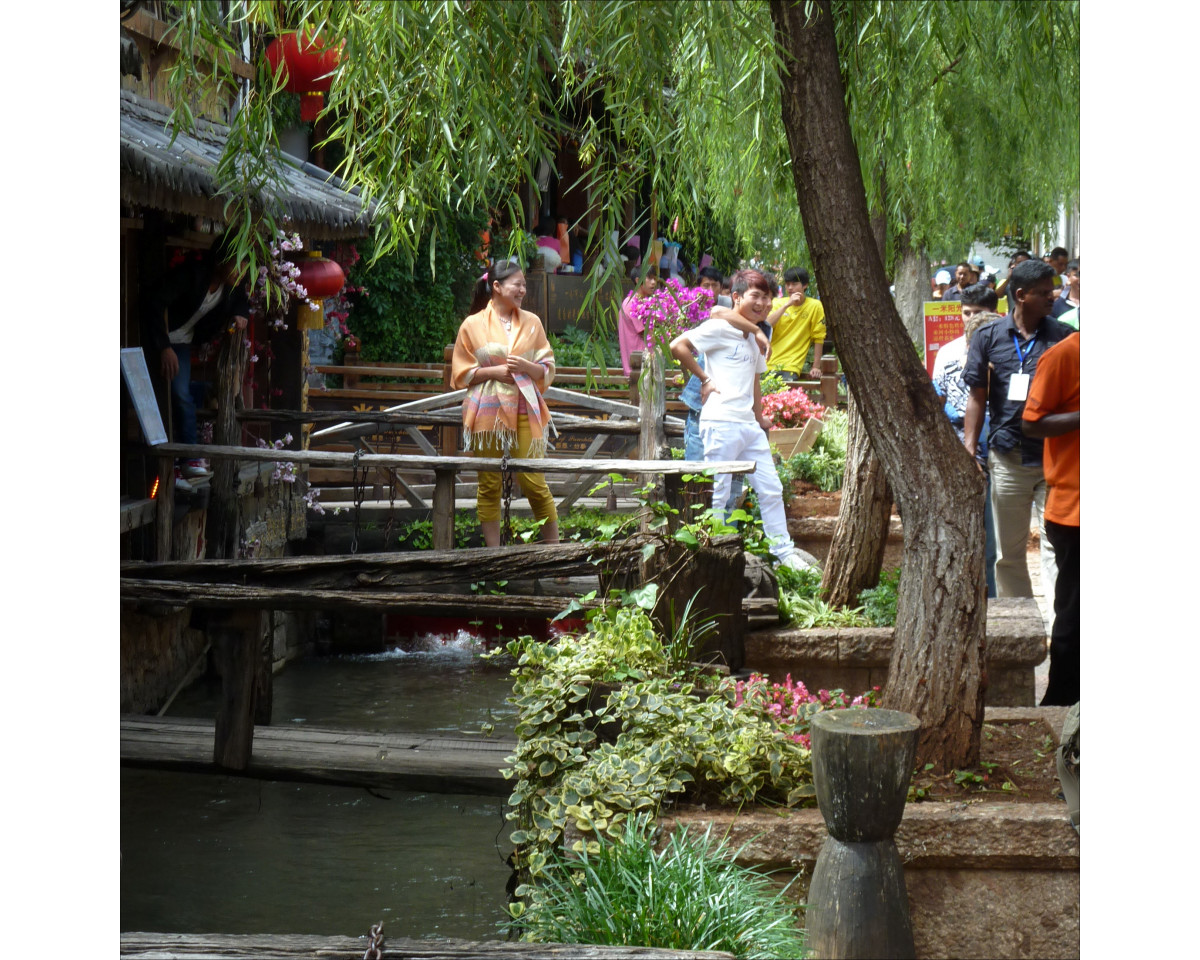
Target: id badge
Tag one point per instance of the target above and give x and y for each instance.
(1018, 387)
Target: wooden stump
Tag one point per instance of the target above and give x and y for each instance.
(862, 763)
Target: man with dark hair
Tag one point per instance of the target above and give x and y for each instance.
(798, 322)
(1002, 360)
(962, 280)
(190, 305)
(1058, 259)
(978, 308)
(711, 280)
(1018, 257)
(1052, 413)
(1069, 298)
(732, 423)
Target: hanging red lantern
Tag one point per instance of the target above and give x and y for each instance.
(308, 69)
(321, 278)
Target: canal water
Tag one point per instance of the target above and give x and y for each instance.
(204, 853)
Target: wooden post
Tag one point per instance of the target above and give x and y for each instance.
(651, 438)
(235, 640)
(857, 902)
(222, 531)
(264, 671)
(164, 518)
(449, 444)
(443, 509)
(829, 382)
(635, 375)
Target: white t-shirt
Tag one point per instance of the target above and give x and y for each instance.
(184, 334)
(734, 362)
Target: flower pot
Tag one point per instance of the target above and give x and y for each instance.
(793, 440)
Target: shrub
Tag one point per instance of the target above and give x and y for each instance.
(690, 896)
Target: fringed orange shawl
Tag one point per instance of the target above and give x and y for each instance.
(491, 407)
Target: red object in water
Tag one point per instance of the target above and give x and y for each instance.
(308, 69)
(320, 277)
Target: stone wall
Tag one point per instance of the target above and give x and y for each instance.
(856, 659)
(158, 645)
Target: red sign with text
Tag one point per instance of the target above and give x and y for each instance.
(943, 323)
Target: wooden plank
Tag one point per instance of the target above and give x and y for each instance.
(230, 946)
(405, 461)
(232, 596)
(138, 513)
(589, 480)
(444, 763)
(526, 561)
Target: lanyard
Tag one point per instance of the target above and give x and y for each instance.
(1028, 347)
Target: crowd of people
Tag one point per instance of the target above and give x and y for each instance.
(1010, 386)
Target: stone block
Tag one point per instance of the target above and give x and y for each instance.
(983, 880)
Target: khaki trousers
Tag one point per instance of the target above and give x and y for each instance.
(1016, 489)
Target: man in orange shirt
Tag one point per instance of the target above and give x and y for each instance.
(1052, 412)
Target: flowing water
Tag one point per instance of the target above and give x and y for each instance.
(207, 854)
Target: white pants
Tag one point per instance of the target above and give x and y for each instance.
(736, 440)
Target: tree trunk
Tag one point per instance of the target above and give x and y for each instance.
(860, 537)
(936, 670)
(912, 288)
(865, 514)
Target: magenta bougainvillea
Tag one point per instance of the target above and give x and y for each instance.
(670, 310)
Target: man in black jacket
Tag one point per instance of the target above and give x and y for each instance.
(193, 302)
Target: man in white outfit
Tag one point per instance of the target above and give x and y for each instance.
(732, 425)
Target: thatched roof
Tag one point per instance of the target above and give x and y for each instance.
(179, 177)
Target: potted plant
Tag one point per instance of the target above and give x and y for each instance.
(795, 417)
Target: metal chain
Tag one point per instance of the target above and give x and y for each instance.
(357, 483)
(375, 944)
(506, 478)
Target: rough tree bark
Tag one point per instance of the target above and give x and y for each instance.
(865, 514)
(864, 518)
(937, 666)
(912, 287)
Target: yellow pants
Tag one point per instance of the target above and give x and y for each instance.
(533, 485)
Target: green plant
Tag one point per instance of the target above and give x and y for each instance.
(574, 347)
(415, 306)
(664, 734)
(825, 464)
(806, 613)
(691, 895)
(879, 602)
(418, 534)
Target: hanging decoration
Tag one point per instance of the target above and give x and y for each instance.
(321, 279)
(308, 69)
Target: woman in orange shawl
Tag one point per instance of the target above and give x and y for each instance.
(503, 359)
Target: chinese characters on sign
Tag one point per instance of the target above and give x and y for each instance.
(943, 323)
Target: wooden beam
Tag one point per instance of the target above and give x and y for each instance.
(559, 465)
(138, 513)
(159, 33)
(443, 510)
(165, 514)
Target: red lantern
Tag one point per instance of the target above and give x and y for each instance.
(321, 278)
(308, 69)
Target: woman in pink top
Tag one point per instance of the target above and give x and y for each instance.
(631, 333)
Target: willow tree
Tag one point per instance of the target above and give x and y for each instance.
(740, 107)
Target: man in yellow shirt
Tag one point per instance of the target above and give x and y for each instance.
(799, 322)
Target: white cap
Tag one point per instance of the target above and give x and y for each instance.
(943, 276)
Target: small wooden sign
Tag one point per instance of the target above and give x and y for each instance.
(141, 392)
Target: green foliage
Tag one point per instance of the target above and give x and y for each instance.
(690, 896)
(574, 347)
(418, 534)
(411, 312)
(825, 464)
(665, 734)
(879, 602)
(801, 604)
